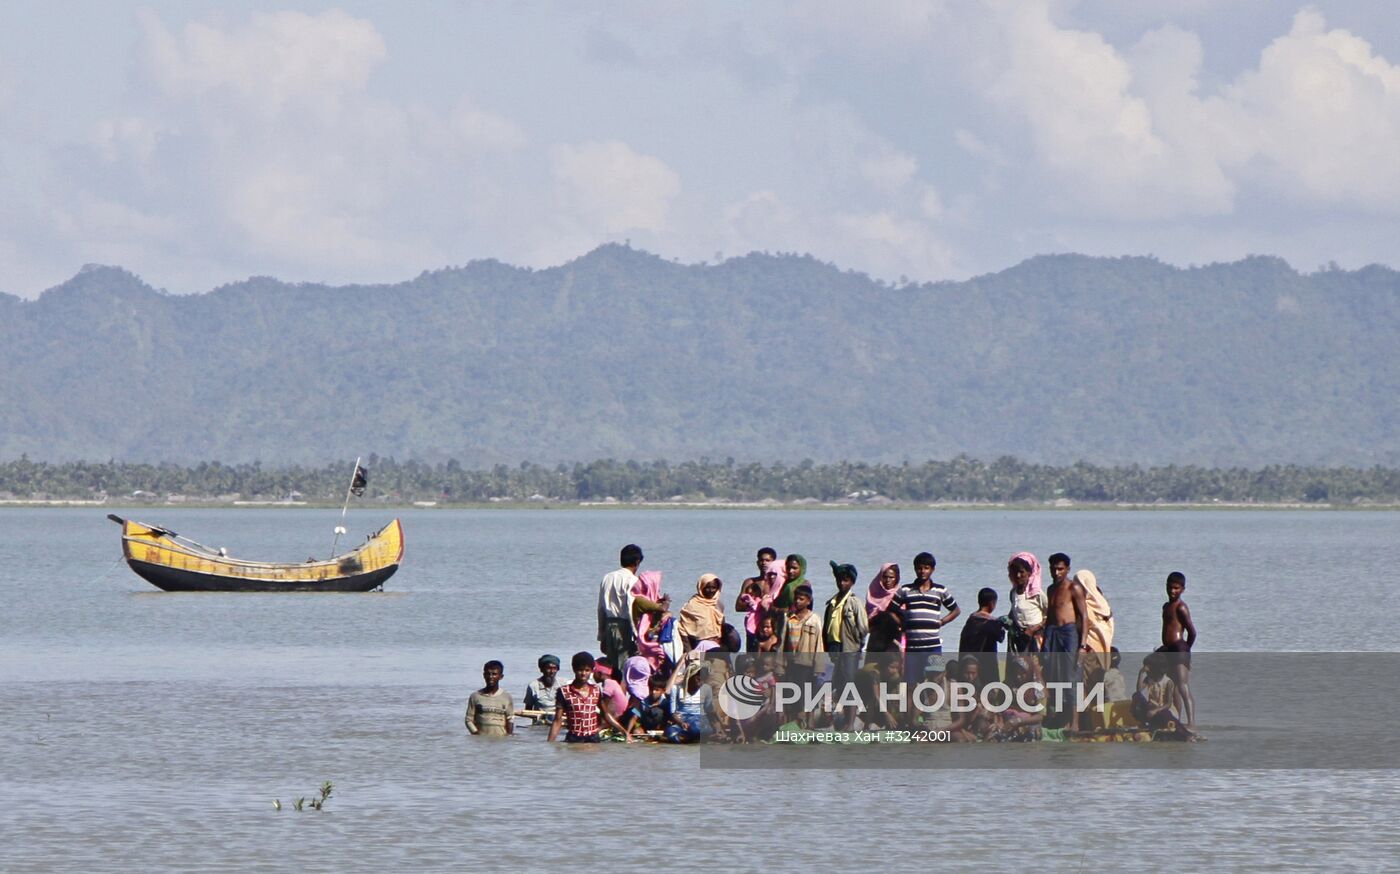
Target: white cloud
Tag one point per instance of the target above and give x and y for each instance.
(1096, 137)
(1130, 135)
(276, 149)
(279, 60)
(886, 243)
(889, 172)
(611, 188)
(1322, 112)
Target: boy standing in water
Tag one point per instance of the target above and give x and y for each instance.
(490, 709)
(1064, 630)
(1178, 636)
(581, 707)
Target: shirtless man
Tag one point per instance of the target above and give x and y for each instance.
(1178, 636)
(1065, 624)
(753, 598)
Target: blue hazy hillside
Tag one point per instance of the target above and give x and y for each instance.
(623, 354)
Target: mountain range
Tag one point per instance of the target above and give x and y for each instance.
(624, 354)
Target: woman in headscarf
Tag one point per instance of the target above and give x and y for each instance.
(702, 617)
(648, 586)
(1028, 606)
(795, 567)
(1098, 625)
(886, 632)
(636, 674)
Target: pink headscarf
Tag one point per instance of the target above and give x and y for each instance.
(648, 585)
(636, 672)
(650, 650)
(1032, 587)
(878, 598)
(779, 567)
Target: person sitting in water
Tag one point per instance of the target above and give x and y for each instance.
(636, 676)
(581, 711)
(977, 723)
(490, 709)
(1156, 693)
(1115, 687)
(652, 712)
(542, 694)
(649, 645)
(692, 703)
(615, 697)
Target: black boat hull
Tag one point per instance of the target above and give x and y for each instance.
(177, 580)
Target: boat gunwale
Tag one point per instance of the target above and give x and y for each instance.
(164, 540)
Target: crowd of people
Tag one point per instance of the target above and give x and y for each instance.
(661, 671)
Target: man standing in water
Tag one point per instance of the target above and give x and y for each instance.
(615, 600)
(490, 709)
(1178, 636)
(1064, 631)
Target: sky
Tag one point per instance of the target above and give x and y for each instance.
(198, 143)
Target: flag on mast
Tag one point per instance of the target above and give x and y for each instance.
(360, 480)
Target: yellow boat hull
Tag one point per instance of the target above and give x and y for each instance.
(175, 564)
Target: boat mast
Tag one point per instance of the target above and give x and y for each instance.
(340, 529)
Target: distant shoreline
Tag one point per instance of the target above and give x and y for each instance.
(1019, 506)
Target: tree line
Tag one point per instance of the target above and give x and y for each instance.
(961, 479)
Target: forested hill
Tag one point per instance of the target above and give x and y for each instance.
(623, 354)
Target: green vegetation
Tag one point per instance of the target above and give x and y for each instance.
(960, 480)
(316, 803)
(622, 354)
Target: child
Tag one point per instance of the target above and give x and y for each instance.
(802, 637)
(1178, 636)
(581, 707)
(1115, 688)
(980, 636)
(1155, 694)
(652, 713)
(543, 693)
(615, 697)
(844, 628)
(768, 635)
(490, 709)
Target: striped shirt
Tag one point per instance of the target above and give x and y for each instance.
(923, 615)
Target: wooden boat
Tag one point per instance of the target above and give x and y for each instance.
(178, 564)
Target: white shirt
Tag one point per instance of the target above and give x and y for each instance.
(615, 595)
(1027, 611)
